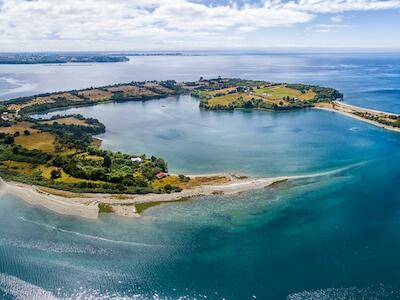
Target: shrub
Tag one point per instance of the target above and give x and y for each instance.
(105, 208)
(54, 174)
(8, 140)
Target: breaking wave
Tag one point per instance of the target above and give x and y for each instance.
(375, 292)
(19, 86)
(23, 290)
(52, 247)
(92, 237)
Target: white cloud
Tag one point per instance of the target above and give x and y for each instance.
(247, 28)
(337, 19)
(105, 24)
(335, 6)
(325, 28)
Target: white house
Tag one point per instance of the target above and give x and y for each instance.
(8, 116)
(136, 160)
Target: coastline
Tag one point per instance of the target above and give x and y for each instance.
(89, 205)
(60, 205)
(85, 205)
(342, 111)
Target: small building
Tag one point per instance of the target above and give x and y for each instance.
(8, 116)
(161, 175)
(136, 160)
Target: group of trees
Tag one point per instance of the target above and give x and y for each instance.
(112, 168)
(4, 123)
(255, 103)
(77, 136)
(322, 93)
(8, 139)
(393, 121)
(10, 151)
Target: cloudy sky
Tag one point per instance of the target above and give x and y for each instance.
(35, 25)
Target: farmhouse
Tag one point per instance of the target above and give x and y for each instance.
(161, 175)
(7, 116)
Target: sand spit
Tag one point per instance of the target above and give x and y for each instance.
(86, 205)
(348, 110)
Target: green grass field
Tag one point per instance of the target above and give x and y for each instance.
(269, 94)
(280, 91)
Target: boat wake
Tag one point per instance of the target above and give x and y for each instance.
(23, 290)
(88, 236)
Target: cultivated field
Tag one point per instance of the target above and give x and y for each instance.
(18, 127)
(278, 95)
(132, 91)
(43, 141)
(67, 121)
(96, 95)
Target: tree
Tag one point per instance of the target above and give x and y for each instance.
(159, 162)
(27, 132)
(15, 150)
(107, 162)
(183, 178)
(168, 188)
(8, 140)
(54, 174)
(16, 133)
(58, 161)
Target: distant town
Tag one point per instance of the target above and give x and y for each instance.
(58, 58)
(70, 57)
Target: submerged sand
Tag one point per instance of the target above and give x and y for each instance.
(86, 205)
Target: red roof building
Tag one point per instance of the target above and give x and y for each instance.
(161, 175)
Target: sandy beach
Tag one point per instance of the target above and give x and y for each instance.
(64, 206)
(347, 110)
(85, 205)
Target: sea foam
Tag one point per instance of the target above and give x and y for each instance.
(23, 290)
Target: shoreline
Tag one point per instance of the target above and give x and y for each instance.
(349, 114)
(85, 205)
(60, 205)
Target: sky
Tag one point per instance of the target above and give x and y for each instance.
(155, 25)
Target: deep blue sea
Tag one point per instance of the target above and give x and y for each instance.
(333, 235)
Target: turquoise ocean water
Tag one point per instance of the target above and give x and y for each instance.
(335, 235)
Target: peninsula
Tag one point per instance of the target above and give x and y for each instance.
(57, 162)
(59, 58)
